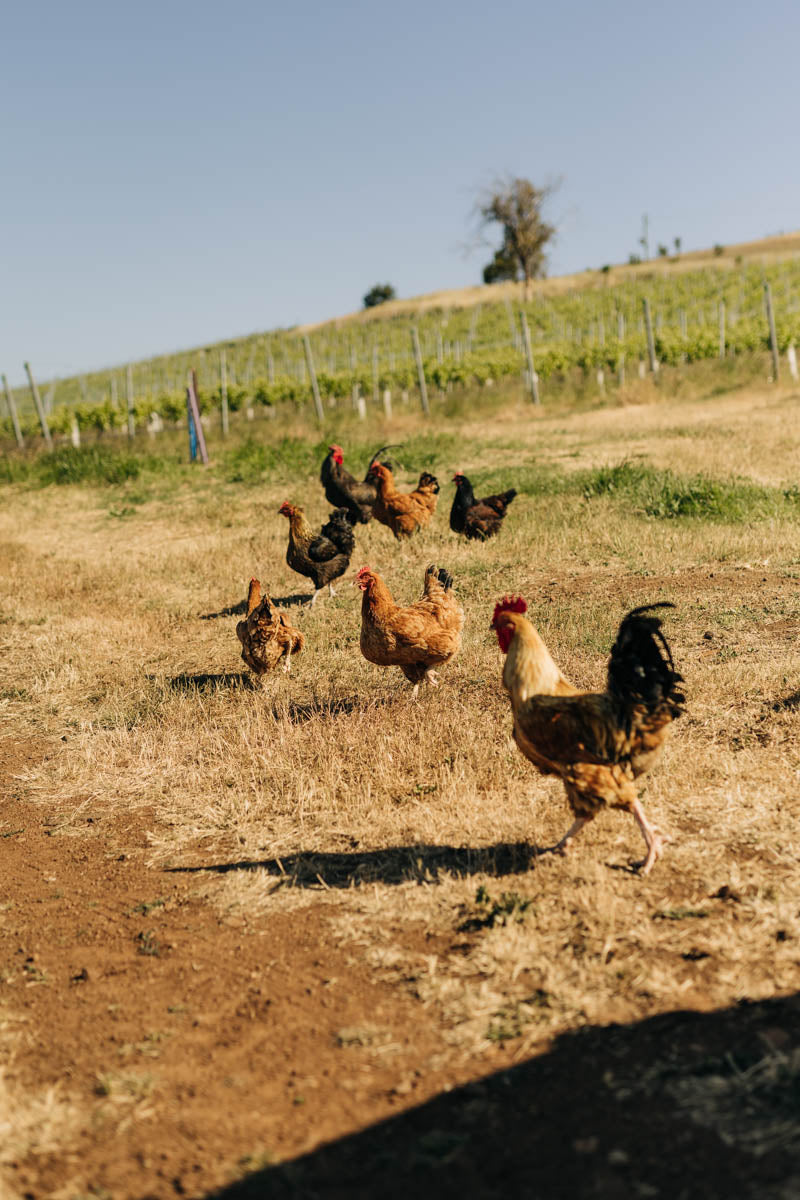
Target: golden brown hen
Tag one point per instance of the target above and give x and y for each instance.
(417, 638)
(403, 512)
(266, 634)
(598, 743)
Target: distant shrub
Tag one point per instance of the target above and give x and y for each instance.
(718, 249)
(379, 294)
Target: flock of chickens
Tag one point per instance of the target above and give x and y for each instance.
(597, 743)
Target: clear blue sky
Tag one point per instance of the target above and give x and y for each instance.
(176, 173)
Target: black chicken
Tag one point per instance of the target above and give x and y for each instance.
(479, 519)
(343, 490)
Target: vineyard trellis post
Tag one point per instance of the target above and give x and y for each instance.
(37, 400)
(375, 374)
(651, 346)
(533, 378)
(423, 389)
(621, 337)
(313, 374)
(12, 409)
(194, 415)
(223, 391)
(722, 328)
(773, 337)
(129, 394)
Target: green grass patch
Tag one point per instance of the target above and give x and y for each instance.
(253, 461)
(665, 495)
(95, 465)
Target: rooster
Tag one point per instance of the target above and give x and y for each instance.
(598, 743)
(477, 518)
(343, 490)
(403, 512)
(266, 634)
(321, 557)
(417, 638)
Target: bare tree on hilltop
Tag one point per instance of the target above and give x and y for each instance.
(516, 205)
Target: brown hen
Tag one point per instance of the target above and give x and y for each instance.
(403, 512)
(416, 638)
(266, 634)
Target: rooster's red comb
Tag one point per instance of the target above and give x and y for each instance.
(514, 604)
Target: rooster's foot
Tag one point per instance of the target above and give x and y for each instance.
(654, 839)
(563, 847)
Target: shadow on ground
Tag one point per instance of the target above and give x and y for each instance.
(210, 683)
(689, 1105)
(233, 610)
(240, 608)
(790, 702)
(393, 865)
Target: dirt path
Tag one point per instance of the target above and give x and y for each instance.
(182, 1048)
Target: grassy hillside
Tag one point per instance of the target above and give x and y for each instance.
(577, 323)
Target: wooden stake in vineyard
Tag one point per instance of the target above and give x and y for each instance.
(773, 337)
(533, 378)
(12, 409)
(194, 419)
(423, 388)
(651, 346)
(129, 390)
(313, 374)
(223, 391)
(37, 400)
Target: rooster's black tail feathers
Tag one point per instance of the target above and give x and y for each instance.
(641, 670)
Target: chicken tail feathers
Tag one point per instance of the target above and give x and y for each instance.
(440, 574)
(376, 457)
(641, 670)
(429, 481)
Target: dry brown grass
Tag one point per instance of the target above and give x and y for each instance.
(333, 788)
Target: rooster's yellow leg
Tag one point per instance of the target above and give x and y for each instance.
(330, 589)
(654, 840)
(287, 663)
(314, 597)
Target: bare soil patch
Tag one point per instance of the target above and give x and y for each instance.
(190, 1047)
